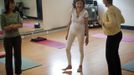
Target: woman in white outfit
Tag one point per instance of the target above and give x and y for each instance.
(78, 27)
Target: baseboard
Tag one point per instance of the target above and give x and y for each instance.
(44, 31)
(127, 27)
(30, 17)
(57, 28)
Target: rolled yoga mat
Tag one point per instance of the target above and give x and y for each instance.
(51, 43)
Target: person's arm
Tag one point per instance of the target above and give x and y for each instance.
(19, 22)
(86, 31)
(122, 19)
(7, 28)
(2, 21)
(16, 26)
(110, 20)
(12, 27)
(3, 24)
(86, 27)
(68, 27)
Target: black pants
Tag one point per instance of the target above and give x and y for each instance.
(13, 45)
(112, 54)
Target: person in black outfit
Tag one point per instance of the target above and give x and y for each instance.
(111, 25)
(10, 22)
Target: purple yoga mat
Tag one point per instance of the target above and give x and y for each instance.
(2, 54)
(125, 39)
(1, 33)
(52, 43)
(28, 25)
(101, 36)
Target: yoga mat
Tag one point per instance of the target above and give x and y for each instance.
(1, 34)
(52, 43)
(2, 54)
(26, 63)
(28, 25)
(127, 39)
(101, 36)
(124, 39)
(129, 66)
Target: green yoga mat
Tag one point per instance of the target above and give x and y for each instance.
(129, 66)
(26, 63)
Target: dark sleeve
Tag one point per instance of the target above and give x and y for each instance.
(3, 21)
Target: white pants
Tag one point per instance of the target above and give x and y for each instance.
(80, 37)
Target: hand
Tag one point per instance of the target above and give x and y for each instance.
(11, 26)
(86, 40)
(8, 28)
(66, 37)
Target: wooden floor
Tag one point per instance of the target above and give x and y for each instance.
(53, 60)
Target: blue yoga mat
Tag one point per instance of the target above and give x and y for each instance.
(26, 63)
(129, 66)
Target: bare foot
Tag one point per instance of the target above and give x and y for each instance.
(79, 69)
(68, 67)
